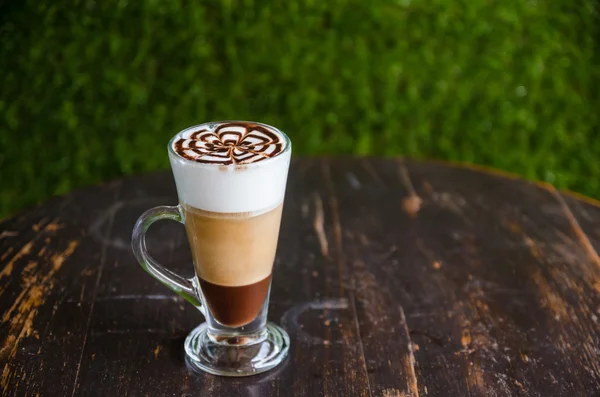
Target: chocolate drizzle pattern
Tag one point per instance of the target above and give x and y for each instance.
(229, 143)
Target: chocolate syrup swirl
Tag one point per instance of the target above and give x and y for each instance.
(229, 143)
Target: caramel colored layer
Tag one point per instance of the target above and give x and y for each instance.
(232, 249)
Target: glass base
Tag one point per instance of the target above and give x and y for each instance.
(236, 356)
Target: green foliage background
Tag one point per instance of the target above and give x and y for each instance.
(91, 90)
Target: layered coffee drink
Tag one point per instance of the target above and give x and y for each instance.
(233, 255)
(232, 202)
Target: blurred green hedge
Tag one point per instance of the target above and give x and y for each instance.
(91, 90)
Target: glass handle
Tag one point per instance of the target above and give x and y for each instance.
(182, 286)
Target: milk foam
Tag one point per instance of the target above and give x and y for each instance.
(230, 188)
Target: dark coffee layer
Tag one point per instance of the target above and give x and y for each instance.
(229, 143)
(235, 306)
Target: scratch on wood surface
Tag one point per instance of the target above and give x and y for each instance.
(6, 253)
(520, 385)
(475, 379)
(7, 233)
(514, 226)
(412, 203)
(137, 297)
(53, 226)
(81, 293)
(550, 299)
(363, 239)
(450, 201)
(106, 217)
(318, 225)
(371, 171)
(130, 331)
(36, 227)
(368, 289)
(33, 283)
(28, 270)
(465, 339)
(583, 238)
(374, 304)
(35, 289)
(42, 251)
(340, 259)
(157, 351)
(558, 307)
(304, 210)
(87, 272)
(361, 345)
(409, 362)
(427, 188)
(533, 248)
(335, 215)
(475, 339)
(105, 244)
(7, 270)
(58, 260)
(25, 250)
(353, 180)
(591, 351)
(394, 393)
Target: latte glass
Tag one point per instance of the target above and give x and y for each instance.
(230, 179)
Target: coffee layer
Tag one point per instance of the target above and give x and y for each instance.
(232, 249)
(235, 306)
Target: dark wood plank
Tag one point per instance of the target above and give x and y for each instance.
(130, 329)
(584, 215)
(525, 290)
(137, 325)
(385, 339)
(43, 324)
(325, 358)
(392, 278)
(485, 272)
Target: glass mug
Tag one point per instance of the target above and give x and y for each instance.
(230, 179)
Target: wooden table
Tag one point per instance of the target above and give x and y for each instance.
(393, 278)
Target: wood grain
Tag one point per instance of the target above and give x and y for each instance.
(393, 278)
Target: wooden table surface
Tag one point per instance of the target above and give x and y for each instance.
(393, 278)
